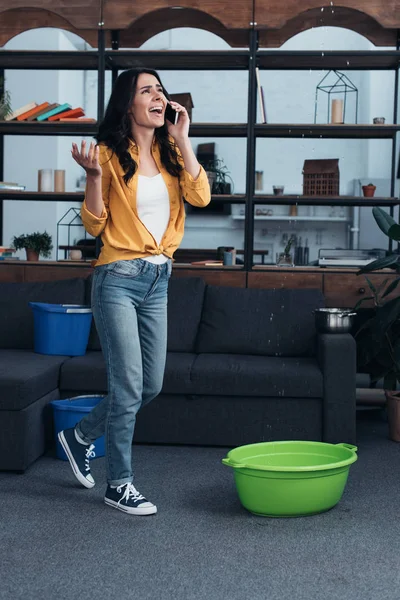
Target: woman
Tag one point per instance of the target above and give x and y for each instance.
(136, 177)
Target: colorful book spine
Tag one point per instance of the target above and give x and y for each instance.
(73, 113)
(36, 115)
(50, 113)
(20, 111)
(33, 111)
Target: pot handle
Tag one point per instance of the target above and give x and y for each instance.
(348, 446)
(343, 315)
(229, 463)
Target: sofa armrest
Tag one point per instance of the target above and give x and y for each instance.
(336, 354)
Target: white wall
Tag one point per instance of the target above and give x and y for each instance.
(219, 97)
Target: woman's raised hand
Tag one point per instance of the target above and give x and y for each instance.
(87, 160)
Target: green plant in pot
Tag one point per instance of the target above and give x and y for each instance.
(369, 190)
(285, 258)
(5, 101)
(378, 338)
(218, 175)
(36, 244)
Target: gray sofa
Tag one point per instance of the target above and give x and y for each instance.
(243, 365)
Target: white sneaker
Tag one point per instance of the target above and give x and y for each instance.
(125, 497)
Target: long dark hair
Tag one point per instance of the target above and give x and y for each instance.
(115, 129)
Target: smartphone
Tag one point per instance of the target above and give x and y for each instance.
(171, 114)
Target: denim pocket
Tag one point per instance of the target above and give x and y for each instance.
(126, 268)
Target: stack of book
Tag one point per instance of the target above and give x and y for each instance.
(49, 112)
(7, 253)
(8, 185)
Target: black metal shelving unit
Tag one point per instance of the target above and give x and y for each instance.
(114, 60)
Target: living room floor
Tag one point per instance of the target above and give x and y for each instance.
(61, 541)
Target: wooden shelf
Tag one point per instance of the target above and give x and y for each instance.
(325, 200)
(46, 59)
(288, 218)
(34, 128)
(192, 60)
(229, 199)
(223, 199)
(178, 60)
(326, 130)
(188, 60)
(305, 60)
(42, 196)
(223, 130)
(226, 130)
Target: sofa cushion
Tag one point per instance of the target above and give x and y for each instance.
(84, 373)
(25, 377)
(16, 316)
(88, 373)
(261, 322)
(266, 376)
(178, 373)
(185, 303)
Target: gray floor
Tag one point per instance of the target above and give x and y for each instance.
(59, 541)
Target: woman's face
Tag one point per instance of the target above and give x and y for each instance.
(148, 105)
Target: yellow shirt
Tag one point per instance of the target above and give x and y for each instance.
(123, 234)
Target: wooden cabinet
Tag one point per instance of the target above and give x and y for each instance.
(345, 290)
(342, 289)
(284, 279)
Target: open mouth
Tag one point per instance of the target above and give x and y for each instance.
(157, 111)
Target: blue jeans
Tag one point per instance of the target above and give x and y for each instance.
(129, 303)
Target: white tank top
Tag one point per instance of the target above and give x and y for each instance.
(152, 205)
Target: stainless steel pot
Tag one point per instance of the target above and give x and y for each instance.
(334, 320)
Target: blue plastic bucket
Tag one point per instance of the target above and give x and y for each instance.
(68, 412)
(61, 329)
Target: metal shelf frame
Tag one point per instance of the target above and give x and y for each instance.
(104, 59)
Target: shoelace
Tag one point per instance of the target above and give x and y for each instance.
(89, 454)
(130, 492)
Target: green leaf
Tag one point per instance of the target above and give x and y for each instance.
(381, 263)
(371, 285)
(386, 315)
(382, 285)
(363, 300)
(383, 219)
(394, 232)
(391, 287)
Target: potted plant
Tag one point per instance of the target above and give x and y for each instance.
(218, 176)
(369, 190)
(378, 338)
(285, 258)
(5, 101)
(35, 244)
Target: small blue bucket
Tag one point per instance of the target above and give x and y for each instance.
(61, 329)
(68, 412)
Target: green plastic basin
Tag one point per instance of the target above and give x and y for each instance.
(290, 479)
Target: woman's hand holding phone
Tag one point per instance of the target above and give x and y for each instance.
(178, 128)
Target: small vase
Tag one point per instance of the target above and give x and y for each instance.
(284, 260)
(368, 190)
(393, 411)
(31, 255)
